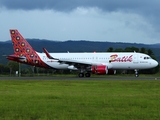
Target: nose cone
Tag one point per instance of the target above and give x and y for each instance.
(155, 63)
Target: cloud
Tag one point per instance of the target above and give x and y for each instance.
(62, 5)
(105, 20)
(146, 8)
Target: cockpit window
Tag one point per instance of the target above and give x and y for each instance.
(147, 58)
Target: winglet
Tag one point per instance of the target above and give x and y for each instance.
(48, 55)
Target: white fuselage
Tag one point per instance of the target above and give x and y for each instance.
(127, 60)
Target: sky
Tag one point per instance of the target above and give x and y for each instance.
(129, 21)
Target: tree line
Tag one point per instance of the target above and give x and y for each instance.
(133, 49)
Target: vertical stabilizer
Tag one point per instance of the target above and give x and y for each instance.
(23, 52)
(20, 46)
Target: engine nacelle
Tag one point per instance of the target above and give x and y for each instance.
(99, 69)
(72, 67)
(102, 70)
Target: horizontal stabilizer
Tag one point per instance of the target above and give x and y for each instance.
(16, 58)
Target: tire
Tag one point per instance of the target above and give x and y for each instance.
(81, 75)
(87, 75)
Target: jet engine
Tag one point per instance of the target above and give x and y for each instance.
(102, 70)
(99, 69)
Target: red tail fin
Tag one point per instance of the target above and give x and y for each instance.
(23, 52)
(20, 45)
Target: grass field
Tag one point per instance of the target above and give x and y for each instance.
(79, 99)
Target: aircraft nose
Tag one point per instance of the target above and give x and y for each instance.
(155, 63)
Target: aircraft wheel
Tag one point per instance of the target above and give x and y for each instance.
(81, 74)
(136, 75)
(87, 74)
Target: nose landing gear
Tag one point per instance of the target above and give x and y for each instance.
(136, 73)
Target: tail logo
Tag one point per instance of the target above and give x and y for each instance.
(12, 32)
(22, 49)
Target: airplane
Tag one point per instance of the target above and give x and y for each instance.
(85, 63)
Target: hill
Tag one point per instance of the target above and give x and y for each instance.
(74, 46)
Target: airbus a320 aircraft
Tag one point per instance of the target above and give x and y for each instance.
(85, 63)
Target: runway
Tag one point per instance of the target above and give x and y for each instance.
(77, 78)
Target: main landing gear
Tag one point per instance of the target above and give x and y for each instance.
(86, 75)
(136, 73)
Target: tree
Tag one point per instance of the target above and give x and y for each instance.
(118, 50)
(143, 50)
(1, 68)
(13, 66)
(110, 49)
(131, 49)
(150, 53)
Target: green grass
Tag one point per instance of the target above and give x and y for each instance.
(74, 99)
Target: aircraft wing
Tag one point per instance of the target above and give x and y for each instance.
(77, 64)
(69, 62)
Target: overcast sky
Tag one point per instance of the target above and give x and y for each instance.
(133, 21)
